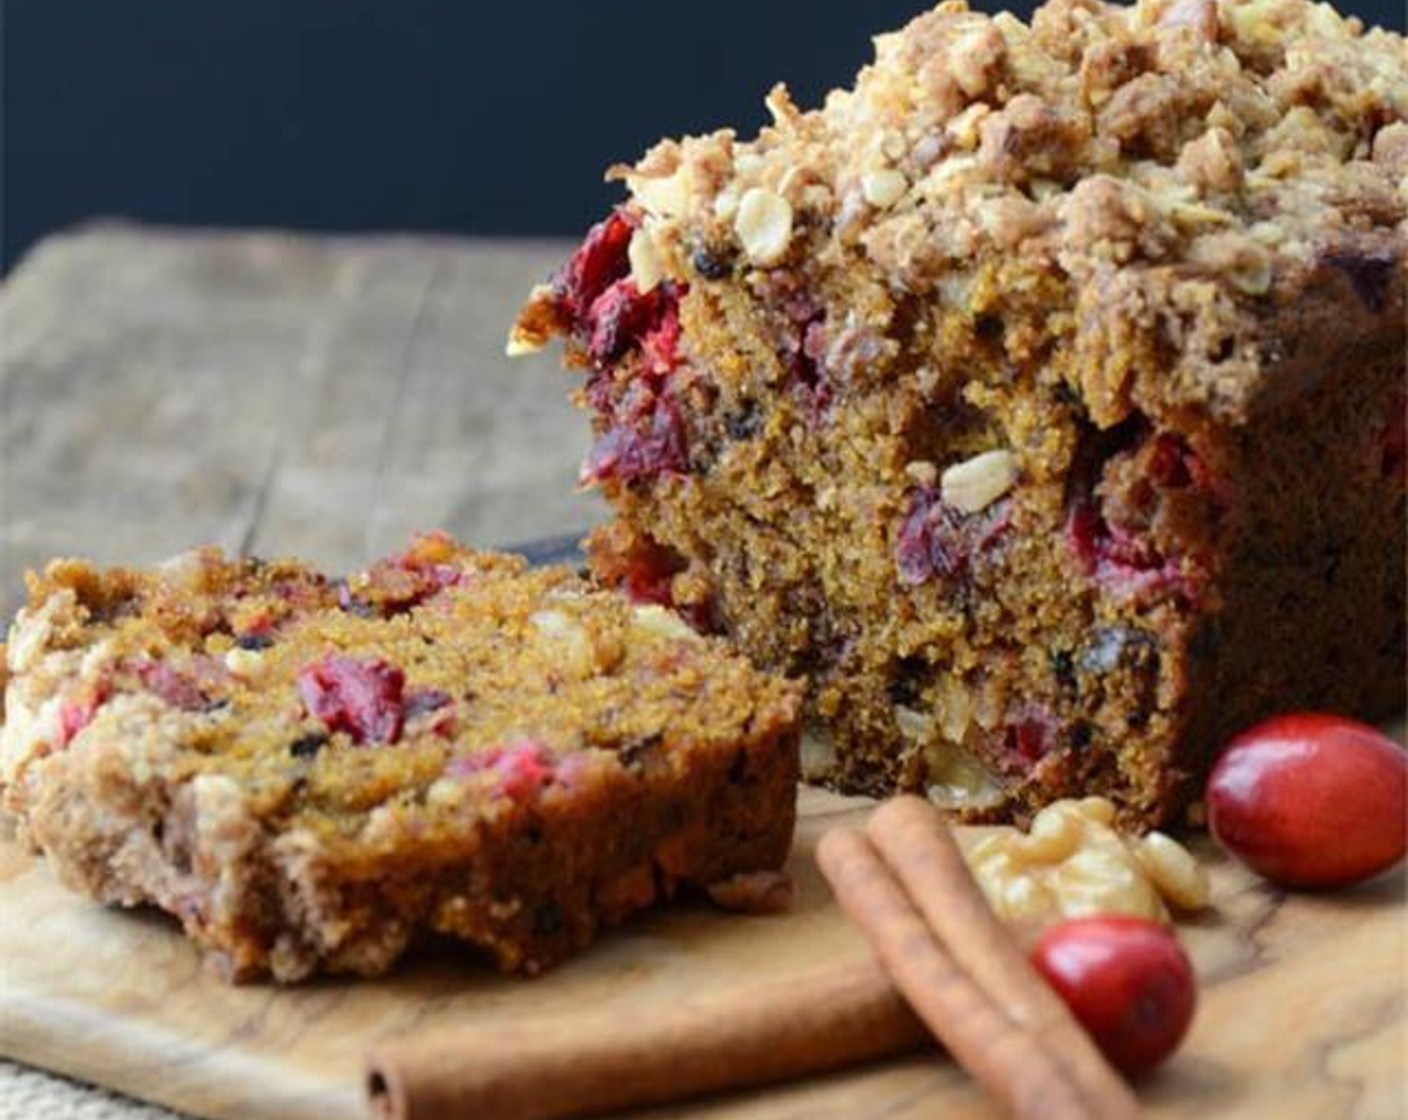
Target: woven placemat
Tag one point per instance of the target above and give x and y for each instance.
(30, 1094)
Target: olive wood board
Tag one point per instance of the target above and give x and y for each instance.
(1301, 1014)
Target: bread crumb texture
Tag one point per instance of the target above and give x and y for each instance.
(310, 772)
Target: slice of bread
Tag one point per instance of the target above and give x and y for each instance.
(309, 773)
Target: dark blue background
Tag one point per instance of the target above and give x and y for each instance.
(371, 114)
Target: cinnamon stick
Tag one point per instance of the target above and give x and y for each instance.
(938, 941)
(1000, 1054)
(596, 1061)
(917, 845)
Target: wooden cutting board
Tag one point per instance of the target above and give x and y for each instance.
(1302, 1008)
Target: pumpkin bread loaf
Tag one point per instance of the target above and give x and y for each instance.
(1040, 400)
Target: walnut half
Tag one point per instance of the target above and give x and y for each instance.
(1072, 863)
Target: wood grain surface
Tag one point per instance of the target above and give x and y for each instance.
(321, 397)
(327, 396)
(1302, 1004)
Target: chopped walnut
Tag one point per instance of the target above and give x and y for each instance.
(818, 756)
(884, 188)
(1198, 16)
(956, 779)
(663, 622)
(1072, 863)
(1212, 162)
(764, 226)
(1391, 149)
(975, 58)
(976, 483)
(646, 268)
(1236, 257)
(1107, 218)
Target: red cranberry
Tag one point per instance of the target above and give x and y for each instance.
(364, 697)
(1174, 465)
(936, 539)
(601, 260)
(648, 573)
(618, 318)
(1102, 547)
(1084, 530)
(1121, 558)
(661, 344)
(1169, 461)
(1311, 800)
(523, 768)
(1126, 563)
(1127, 980)
(1028, 739)
(626, 453)
(811, 382)
(623, 318)
(74, 717)
(173, 686)
(644, 432)
(437, 706)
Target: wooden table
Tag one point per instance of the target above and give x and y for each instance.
(326, 397)
(274, 394)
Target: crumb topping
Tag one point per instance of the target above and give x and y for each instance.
(1184, 131)
(1174, 159)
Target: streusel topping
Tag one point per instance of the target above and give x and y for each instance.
(1169, 165)
(1229, 137)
